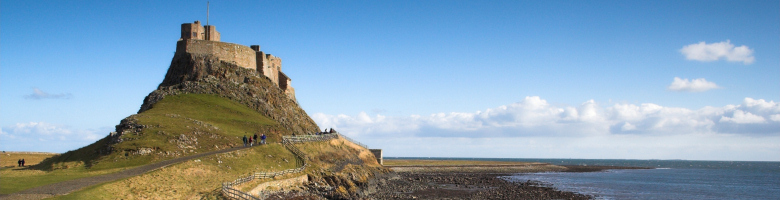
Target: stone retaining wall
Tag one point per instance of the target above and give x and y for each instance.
(378, 154)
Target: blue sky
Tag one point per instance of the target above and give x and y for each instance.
(527, 79)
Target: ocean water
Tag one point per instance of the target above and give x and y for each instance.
(670, 179)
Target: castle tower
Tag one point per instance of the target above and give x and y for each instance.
(198, 32)
(271, 67)
(211, 33)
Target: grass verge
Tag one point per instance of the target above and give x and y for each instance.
(9, 159)
(17, 179)
(177, 126)
(198, 178)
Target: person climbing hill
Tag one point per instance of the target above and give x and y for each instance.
(245, 140)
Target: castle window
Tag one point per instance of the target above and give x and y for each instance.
(194, 34)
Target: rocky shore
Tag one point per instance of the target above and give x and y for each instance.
(473, 182)
(454, 185)
(455, 182)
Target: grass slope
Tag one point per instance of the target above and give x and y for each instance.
(9, 159)
(202, 178)
(177, 126)
(194, 179)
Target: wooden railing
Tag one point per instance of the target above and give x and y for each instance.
(309, 138)
(353, 141)
(232, 193)
(229, 190)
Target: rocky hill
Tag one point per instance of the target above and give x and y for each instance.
(206, 74)
(212, 96)
(211, 104)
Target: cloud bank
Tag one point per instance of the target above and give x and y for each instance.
(695, 85)
(42, 136)
(715, 51)
(40, 94)
(535, 117)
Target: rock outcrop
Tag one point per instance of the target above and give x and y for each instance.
(206, 74)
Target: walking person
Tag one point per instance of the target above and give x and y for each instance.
(22, 162)
(256, 141)
(262, 139)
(245, 141)
(19, 162)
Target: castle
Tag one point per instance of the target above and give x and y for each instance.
(197, 39)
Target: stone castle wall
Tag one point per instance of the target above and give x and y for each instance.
(270, 65)
(211, 33)
(205, 40)
(192, 31)
(241, 55)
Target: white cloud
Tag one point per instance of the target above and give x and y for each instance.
(534, 117)
(40, 94)
(40, 128)
(695, 85)
(742, 117)
(775, 117)
(715, 51)
(682, 146)
(42, 136)
(628, 127)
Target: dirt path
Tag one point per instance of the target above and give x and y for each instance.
(67, 187)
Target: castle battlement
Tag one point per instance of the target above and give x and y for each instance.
(197, 39)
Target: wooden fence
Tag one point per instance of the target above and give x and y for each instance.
(309, 138)
(229, 190)
(232, 193)
(353, 141)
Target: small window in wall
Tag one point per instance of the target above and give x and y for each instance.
(194, 34)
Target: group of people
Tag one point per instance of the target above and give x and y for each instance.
(20, 162)
(326, 131)
(252, 140)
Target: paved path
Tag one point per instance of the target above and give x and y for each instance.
(67, 187)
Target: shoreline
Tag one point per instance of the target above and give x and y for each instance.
(433, 179)
(596, 168)
(463, 185)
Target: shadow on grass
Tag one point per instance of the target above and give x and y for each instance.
(213, 194)
(87, 155)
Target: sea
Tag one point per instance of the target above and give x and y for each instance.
(668, 179)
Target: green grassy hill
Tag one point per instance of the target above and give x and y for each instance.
(188, 124)
(332, 162)
(177, 126)
(194, 179)
(203, 105)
